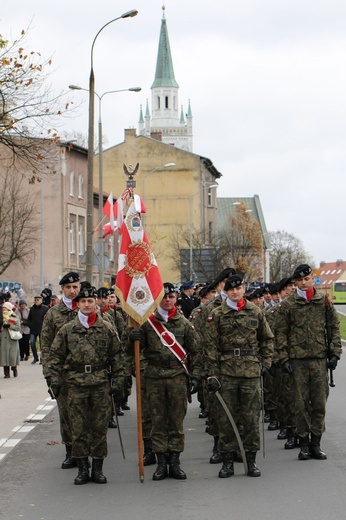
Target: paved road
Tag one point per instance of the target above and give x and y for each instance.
(33, 487)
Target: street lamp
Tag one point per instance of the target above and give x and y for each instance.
(131, 89)
(90, 180)
(191, 200)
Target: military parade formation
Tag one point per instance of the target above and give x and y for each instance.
(251, 355)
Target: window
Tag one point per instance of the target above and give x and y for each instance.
(210, 232)
(158, 102)
(166, 102)
(210, 197)
(80, 185)
(81, 227)
(72, 235)
(72, 184)
(327, 272)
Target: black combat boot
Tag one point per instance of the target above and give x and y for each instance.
(252, 469)
(282, 433)
(291, 439)
(216, 456)
(304, 453)
(97, 475)
(237, 456)
(266, 417)
(161, 470)
(315, 448)
(273, 423)
(83, 472)
(227, 469)
(149, 457)
(69, 462)
(175, 470)
(112, 423)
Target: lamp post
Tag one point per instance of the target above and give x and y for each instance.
(191, 244)
(100, 146)
(90, 179)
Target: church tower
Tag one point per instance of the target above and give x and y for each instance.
(167, 119)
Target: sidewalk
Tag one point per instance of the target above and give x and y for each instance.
(21, 399)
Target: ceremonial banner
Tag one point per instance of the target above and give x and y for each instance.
(138, 284)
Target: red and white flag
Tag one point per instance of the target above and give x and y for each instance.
(138, 285)
(110, 209)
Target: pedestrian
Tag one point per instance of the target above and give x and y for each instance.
(186, 303)
(84, 357)
(35, 321)
(66, 310)
(46, 295)
(24, 343)
(9, 347)
(167, 383)
(238, 350)
(302, 322)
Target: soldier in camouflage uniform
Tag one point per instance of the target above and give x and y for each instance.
(85, 356)
(301, 340)
(167, 382)
(238, 350)
(65, 311)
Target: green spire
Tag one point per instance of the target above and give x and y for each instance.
(182, 118)
(141, 120)
(147, 113)
(189, 113)
(164, 75)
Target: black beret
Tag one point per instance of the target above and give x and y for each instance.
(266, 287)
(85, 285)
(274, 288)
(223, 275)
(69, 278)
(168, 288)
(257, 293)
(301, 271)
(87, 292)
(102, 292)
(235, 280)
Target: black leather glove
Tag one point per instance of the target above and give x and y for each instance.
(287, 367)
(276, 364)
(54, 391)
(213, 384)
(264, 371)
(332, 363)
(128, 381)
(6, 325)
(134, 335)
(48, 381)
(194, 385)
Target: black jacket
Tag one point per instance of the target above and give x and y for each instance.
(35, 318)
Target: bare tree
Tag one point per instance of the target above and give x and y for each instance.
(19, 225)
(287, 252)
(29, 110)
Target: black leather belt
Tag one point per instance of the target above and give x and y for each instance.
(88, 369)
(237, 352)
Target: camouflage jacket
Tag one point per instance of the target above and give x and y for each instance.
(300, 328)
(54, 319)
(230, 333)
(270, 314)
(160, 361)
(76, 347)
(198, 318)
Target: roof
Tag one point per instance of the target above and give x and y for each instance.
(164, 75)
(227, 206)
(330, 272)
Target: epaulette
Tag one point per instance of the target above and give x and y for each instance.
(210, 318)
(191, 317)
(193, 327)
(199, 311)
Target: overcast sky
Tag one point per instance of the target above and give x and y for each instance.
(266, 80)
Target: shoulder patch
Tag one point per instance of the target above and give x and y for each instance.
(210, 318)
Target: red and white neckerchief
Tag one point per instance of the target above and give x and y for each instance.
(307, 295)
(236, 306)
(87, 321)
(168, 339)
(104, 309)
(167, 315)
(71, 304)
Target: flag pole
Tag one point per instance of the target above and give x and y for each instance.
(135, 325)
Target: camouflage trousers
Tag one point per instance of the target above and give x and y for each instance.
(268, 390)
(64, 417)
(243, 397)
(310, 381)
(168, 406)
(146, 419)
(284, 391)
(89, 415)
